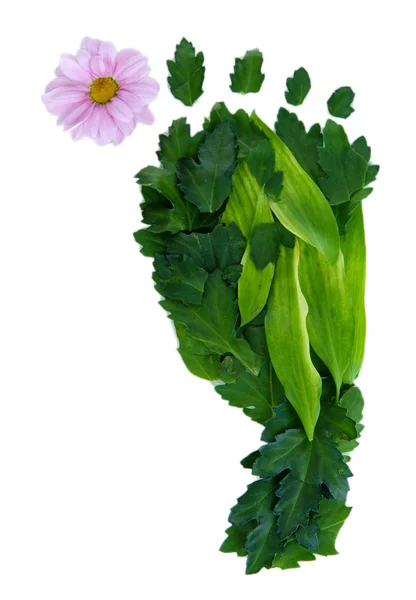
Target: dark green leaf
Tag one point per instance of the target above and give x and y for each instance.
(265, 244)
(274, 186)
(298, 87)
(284, 418)
(237, 538)
(177, 144)
(353, 401)
(291, 555)
(308, 536)
(360, 145)
(334, 420)
(297, 499)
(187, 73)
(214, 321)
(286, 237)
(248, 461)
(258, 501)
(247, 133)
(339, 104)
(262, 545)
(261, 162)
(247, 77)
(371, 175)
(251, 393)
(256, 337)
(304, 145)
(152, 243)
(179, 278)
(208, 184)
(331, 517)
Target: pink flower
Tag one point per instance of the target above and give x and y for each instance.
(101, 93)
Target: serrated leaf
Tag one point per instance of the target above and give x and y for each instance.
(214, 321)
(314, 463)
(208, 184)
(220, 249)
(331, 517)
(179, 278)
(247, 133)
(187, 73)
(371, 175)
(262, 545)
(304, 145)
(264, 245)
(151, 243)
(329, 321)
(302, 207)
(291, 555)
(308, 536)
(298, 87)
(297, 499)
(257, 502)
(237, 538)
(247, 77)
(353, 402)
(178, 143)
(335, 420)
(254, 394)
(284, 418)
(248, 461)
(256, 337)
(288, 340)
(261, 162)
(339, 104)
(360, 145)
(274, 187)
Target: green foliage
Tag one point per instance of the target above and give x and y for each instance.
(298, 87)
(261, 162)
(339, 104)
(179, 278)
(187, 73)
(236, 538)
(247, 77)
(264, 244)
(207, 184)
(178, 143)
(262, 545)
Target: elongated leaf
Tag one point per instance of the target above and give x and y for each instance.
(248, 208)
(330, 320)
(262, 545)
(302, 208)
(288, 340)
(247, 76)
(187, 73)
(208, 184)
(354, 251)
(214, 321)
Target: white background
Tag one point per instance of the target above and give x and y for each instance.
(117, 467)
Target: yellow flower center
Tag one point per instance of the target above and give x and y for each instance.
(103, 89)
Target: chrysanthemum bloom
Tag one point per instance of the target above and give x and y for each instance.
(101, 93)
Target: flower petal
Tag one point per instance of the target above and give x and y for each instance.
(119, 137)
(132, 100)
(127, 128)
(72, 69)
(84, 57)
(119, 110)
(77, 114)
(90, 45)
(147, 89)
(108, 128)
(63, 82)
(146, 116)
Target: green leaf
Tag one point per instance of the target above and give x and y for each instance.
(257, 502)
(371, 175)
(298, 87)
(247, 133)
(208, 184)
(329, 320)
(335, 420)
(248, 207)
(339, 104)
(187, 73)
(247, 77)
(297, 499)
(308, 536)
(264, 244)
(291, 555)
(288, 340)
(178, 144)
(345, 167)
(261, 162)
(220, 249)
(274, 186)
(179, 278)
(262, 545)
(360, 145)
(248, 461)
(214, 321)
(284, 418)
(331, 517)
(151, 243)
(354, 251)
(313, 463)
(165, 209)
(352, 400)
(302, 208)
(256, 337)
(237, 538)
(254, 394)
(304, 145)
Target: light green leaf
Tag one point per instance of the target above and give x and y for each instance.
(288, 340)
(330, 319)
(354, 251)
(302, 207)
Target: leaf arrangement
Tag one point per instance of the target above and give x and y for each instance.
(258, 244)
